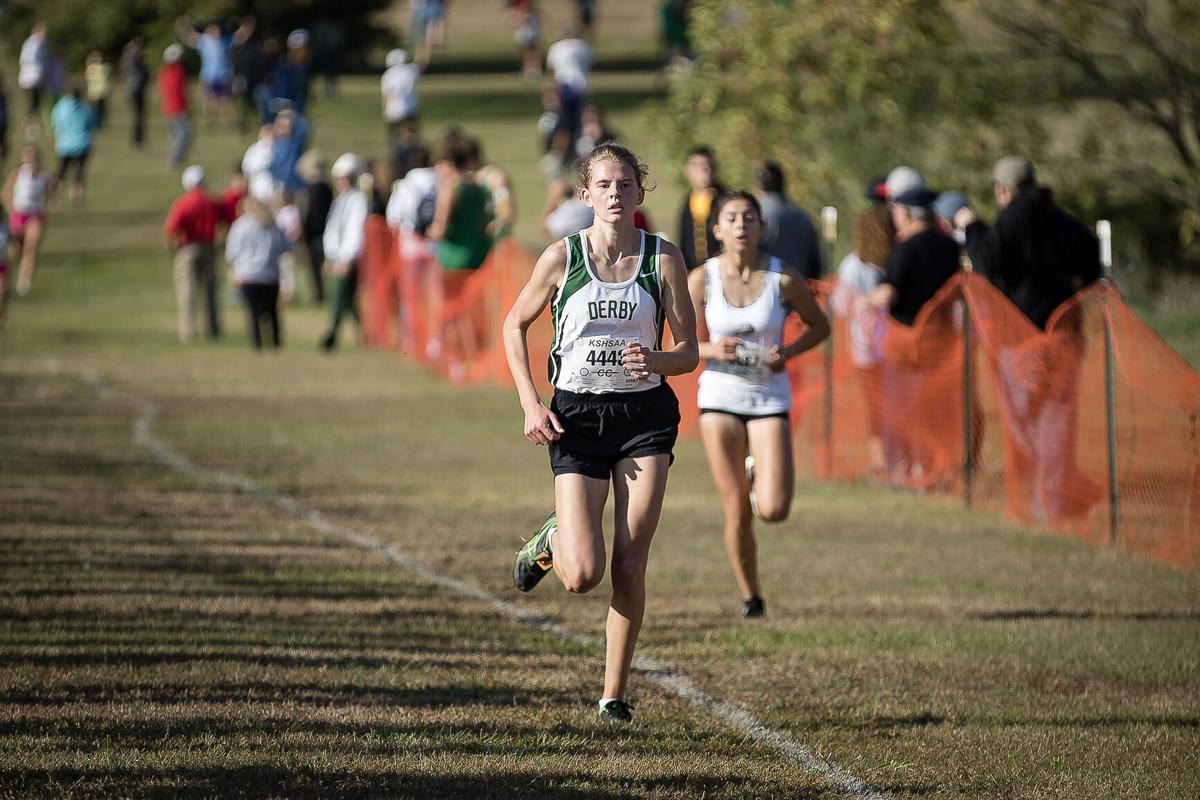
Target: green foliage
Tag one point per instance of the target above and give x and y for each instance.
(836, 91)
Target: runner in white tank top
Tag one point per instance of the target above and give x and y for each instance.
(742, 298)
(613, 419)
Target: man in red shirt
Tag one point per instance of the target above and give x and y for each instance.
(172, 91)
(191, 230)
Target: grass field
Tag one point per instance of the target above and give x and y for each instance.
(165, 635)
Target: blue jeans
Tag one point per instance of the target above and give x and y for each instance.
(179, 139)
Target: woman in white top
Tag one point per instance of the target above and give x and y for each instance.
(742, 298)
(613, 419)
(26, 193)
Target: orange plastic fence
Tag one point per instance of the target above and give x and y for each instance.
(972, 402)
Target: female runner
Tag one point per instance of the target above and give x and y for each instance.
(613, 418)
(742, 298)
(26, 194)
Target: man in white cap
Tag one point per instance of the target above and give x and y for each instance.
(902, 179)
(399, 89)
(191, 230)
(343, 242)
(172, 90)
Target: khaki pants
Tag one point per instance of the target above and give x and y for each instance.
(195, 265)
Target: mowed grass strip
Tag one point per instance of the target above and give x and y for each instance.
(162, 638)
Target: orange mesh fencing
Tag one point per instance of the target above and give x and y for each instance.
(972, 402)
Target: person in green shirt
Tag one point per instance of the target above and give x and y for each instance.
(461, 216)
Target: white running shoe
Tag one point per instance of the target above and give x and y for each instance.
(750, 479)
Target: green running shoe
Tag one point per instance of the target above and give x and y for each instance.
(534, 560)
(616, 711)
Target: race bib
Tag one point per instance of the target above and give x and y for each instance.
(747, 363)
(594, 364)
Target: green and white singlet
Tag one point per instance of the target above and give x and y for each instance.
(594, 321)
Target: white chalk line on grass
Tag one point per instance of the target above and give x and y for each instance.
(665, 676)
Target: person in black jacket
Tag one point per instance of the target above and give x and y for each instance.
(319, 198)
(1039, 256)
(698, 217)
(1036, 253)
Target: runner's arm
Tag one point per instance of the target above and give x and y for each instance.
(541, 426)
(683, 357)
(724, 349)
(799, 298)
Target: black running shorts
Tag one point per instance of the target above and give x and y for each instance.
(602, 429)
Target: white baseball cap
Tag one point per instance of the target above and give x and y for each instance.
(193, 176)
(297, 38)
(173, 53)
(396, 57)
(262, 187)
(347, 166)
(901, 180)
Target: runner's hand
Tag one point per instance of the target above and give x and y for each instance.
(541, 426)
(727, 347)
(639, 360)
(775, 360)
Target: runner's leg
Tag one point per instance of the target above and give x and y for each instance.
(724, 437)
(774, 473)
(638, 488)
(579, 543)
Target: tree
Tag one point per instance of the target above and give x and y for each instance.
(1141, 57)
(837, 91)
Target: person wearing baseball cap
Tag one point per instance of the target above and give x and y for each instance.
(921, 261)
(343, 242)
(191, 230)
(1035, 252)
(172, 91)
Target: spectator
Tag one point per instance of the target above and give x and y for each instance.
(945, 207)
(902, 179)
(460, 219)
(257, 158)
(677, 48)
(136, 77)
(592, 132)
(551, 119)
(1035, 252)
(1039, 256)
(399, 89)
(289, 139)
(525, 20)
(319, 199)
(262, 63)
(98, 77)
(26, 193)
(587, 17)
(343, 243)
(172, 90)
(216, 67)
(293, 78)
(33, 66)
(414, 197)
(788, 232)
(73, 125)
(697, 217)
(329, 51)
(191, 230)
(570, 60)
(253, 248)
(920, 263)
(501, 207)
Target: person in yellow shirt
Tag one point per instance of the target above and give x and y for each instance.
(697, 241)
(98, 77)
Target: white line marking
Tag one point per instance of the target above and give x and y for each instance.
(665, 676)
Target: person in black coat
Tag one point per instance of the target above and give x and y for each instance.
(1036, 253)
(698, 215)
(319, 198)
(1039, 256)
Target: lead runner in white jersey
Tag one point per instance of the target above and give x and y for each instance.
(613, 419)
(742, 298)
